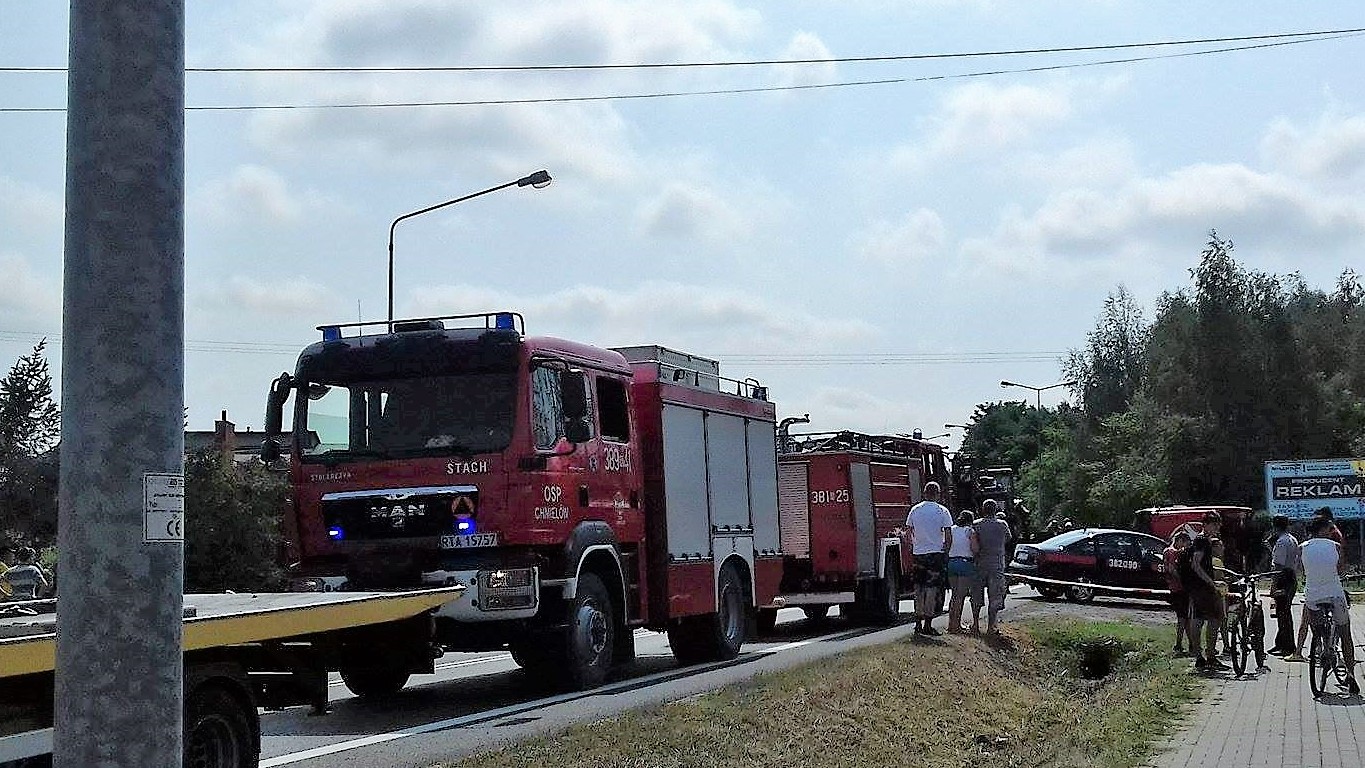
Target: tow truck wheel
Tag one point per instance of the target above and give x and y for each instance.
(590, 644)
(375, 682)
(218, 730)
(1048, 593)
(765, 620)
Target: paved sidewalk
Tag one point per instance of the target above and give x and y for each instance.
(1272, 721)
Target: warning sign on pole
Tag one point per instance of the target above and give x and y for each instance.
(163, 507)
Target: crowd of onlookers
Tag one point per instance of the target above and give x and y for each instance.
(966, 555)
(1200, 590)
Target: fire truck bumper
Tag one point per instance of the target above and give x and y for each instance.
(492, 595)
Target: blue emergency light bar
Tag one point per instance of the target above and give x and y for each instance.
(465, 524)
(500, 321)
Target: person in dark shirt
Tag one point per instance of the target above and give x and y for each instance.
(1206, 602)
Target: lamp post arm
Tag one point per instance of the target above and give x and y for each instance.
(429, 209)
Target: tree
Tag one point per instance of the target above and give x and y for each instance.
(232, 523)
(30, 424)
(1108, 371)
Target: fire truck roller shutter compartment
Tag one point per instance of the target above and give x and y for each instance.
(763, 487)
(794, 510)
(685, 496)
(865, 516)
(727, 473)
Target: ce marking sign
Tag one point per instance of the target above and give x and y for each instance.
(163, 508)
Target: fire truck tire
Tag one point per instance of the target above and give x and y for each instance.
(765, 619)
(590, 643)
(375, 682)
(716, 636)
(885, 606)
(219, 730)
(815, 613)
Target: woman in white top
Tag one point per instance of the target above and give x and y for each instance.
(962, 578)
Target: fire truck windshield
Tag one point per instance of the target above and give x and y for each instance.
(456, 414)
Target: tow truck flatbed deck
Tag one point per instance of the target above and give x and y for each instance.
(28, 642)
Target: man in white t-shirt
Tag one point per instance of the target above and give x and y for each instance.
(1322, 567)
(928, 524)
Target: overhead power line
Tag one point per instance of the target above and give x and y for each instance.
(756, 359)
(718, 91)
(1305, 36)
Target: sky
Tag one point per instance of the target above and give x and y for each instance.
(880, 256)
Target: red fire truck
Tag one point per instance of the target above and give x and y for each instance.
(843, 496)
(575, 492)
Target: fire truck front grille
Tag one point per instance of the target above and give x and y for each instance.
(379, 518)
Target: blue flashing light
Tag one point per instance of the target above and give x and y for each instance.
(336, 533)
(504, 321)
(465, 525)
(331, 333)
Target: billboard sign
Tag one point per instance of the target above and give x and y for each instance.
(1300, 488)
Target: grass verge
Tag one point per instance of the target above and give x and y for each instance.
(1022, 700)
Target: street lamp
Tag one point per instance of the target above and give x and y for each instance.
(1038, 391)
(956, 426)
(538, 180)
(935, 437)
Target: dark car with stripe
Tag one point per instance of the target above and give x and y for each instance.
(1090, 562)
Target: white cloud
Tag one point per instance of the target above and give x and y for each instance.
(839, 408)
(1097, 162)
(292, 297)
(587, 139)
(1145, 216)
(806, 46)
(1332, 149)
(691, 212)
(918, 236)
(29, 301)
(696, 318)
(29, 209)
(253, 193)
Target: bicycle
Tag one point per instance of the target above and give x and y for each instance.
(1245, 623)
(1325, 658)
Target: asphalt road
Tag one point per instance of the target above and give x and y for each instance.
(477, 701)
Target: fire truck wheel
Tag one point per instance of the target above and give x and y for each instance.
(591, 637)
(886, 594)
(765, 620)
(218, 730)
(815, 613)
(715, 636)
(375, 682)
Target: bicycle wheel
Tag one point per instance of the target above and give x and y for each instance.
(1319, 662)
(1256, 633)
(1237, 643)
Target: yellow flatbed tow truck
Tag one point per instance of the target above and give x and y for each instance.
(242, 652)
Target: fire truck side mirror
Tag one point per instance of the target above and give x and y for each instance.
(573, 393)
(274, 405)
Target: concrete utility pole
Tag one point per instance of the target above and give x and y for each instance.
(120, 568)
